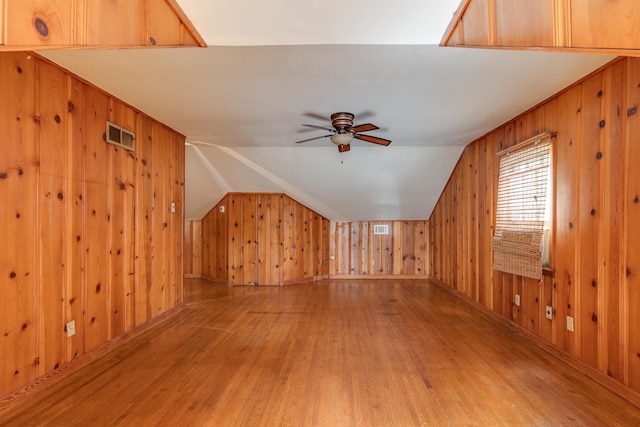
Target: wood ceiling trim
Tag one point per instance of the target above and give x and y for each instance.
(78, 24)
(589, 26)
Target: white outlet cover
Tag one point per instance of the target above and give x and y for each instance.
(517, 299)
(71, 328)
(570, 323)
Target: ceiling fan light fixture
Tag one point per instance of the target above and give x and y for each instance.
(341, 138)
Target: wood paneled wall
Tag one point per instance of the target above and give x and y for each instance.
(87, 230)
(263, 239)
(596, 219)
(38, 24)
(602, 26)
(193, 249)
(359, 252)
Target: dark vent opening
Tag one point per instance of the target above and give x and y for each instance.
(120, 137)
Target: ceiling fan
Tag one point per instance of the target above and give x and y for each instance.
(343, 132)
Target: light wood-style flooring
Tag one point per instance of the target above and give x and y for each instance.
(331, 353)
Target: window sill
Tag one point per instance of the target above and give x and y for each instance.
(550, 272)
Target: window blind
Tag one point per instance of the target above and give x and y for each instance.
(522, 193)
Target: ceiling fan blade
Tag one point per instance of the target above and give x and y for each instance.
(373, 139)
(312, 139)
(365, 115)
(364, 127)
(320, 127)
(317, 116)
(344, 147)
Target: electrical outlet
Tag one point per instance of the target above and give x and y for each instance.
(332, 257)
(569, 323)
(517, 300)
(549, 312)
(373, 262)
(173, 207)
(71, 328)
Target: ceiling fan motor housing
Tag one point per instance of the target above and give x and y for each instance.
(342, 121)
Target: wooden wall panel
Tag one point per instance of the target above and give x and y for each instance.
(20, 20)
(630, 289)
(97, 217)
(18, 223)
(270, 239)
(525, 23)
(596, 24)
(593, 252)
(358, 252)
(144, 220)
(76, 218)
(193, 249)
(53, 191)
(214, 236)
(601, 26)
(73, 219)
(28, 25)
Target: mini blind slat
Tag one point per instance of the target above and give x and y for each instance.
(522, 196)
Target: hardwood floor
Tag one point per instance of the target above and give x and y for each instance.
(332, 353)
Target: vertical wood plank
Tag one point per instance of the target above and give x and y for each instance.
(96, 172)
(18, 167)
(589, 215)
(355, 251)
(76, 221)
(631, 289)
(611, 272)
(144, 220)
(249, 240)
(52, 210)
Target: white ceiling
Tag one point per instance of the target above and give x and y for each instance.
(272, 66)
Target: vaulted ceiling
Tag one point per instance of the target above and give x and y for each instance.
(272, 66)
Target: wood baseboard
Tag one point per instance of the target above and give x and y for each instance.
(377, 276)
(569, 359)
(48, 380)
(193, 276)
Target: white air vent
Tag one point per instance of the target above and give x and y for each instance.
(380, 229)
(121, 137)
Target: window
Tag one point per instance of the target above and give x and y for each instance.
(523, 193)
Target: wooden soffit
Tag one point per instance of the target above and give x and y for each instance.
(596, 26)
(95, 24)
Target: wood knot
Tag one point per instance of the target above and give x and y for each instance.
(57, 119)
(20, 172)
(152, 41)
(594, 318)
(3, 175)
(570, 226)
(98, 287)
(599, 155)
(19, 71)
(602, 123)
(631, 111)
(593, 212)
(594, 283)
(12, 274)
(599, 93)
(41, 27)
(70, 106)
(60, 196)
(122, 186)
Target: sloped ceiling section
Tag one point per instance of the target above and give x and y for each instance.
(273, 66)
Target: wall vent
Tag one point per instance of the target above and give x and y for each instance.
(381, 229)
(121, 137)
